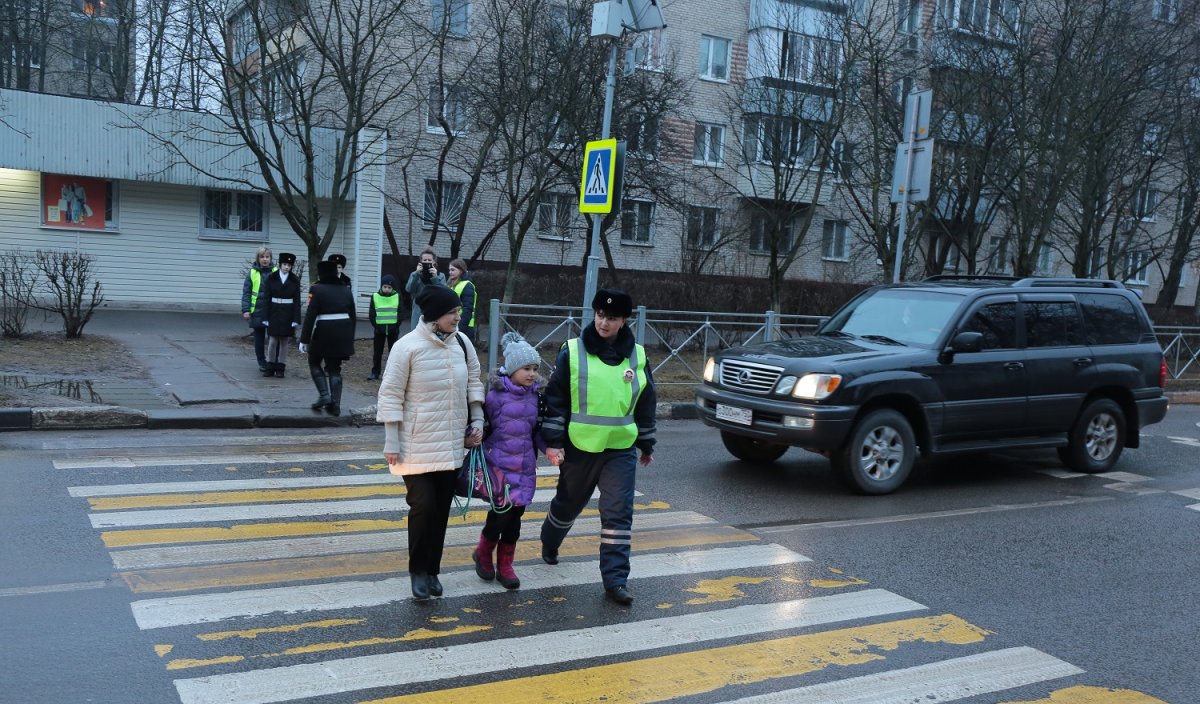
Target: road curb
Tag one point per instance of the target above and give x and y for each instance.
(89, 418)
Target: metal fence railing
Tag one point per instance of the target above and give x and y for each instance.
(682, 340)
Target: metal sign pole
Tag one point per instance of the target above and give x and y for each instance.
(908, 163)
(593, 263)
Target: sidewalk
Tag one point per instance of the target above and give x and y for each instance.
(200, 376)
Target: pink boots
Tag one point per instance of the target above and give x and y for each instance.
(504, 566)
(483, 558)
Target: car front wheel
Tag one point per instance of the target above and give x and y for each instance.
(879, 455)
(1096, 439)
(752, 449)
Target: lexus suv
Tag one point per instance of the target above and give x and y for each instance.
(949, 364)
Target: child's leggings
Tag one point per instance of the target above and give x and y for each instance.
(504, 527)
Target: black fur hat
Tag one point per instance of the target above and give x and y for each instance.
(287, 258)
(327, 272)
(613, 302)
(338, 259)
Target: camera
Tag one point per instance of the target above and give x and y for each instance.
(426, 267)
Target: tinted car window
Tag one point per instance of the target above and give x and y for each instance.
(1052, 324)
(998, 323)
(1109, 320)
(911, 317)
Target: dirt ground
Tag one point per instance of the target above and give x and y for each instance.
(26, 361)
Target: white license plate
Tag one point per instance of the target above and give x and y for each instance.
(733, 414)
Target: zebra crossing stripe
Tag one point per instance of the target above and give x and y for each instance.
(177, 460)
(405, 668)
(209, 608)
(258, 512)
(945, 681)
(246, 484)
(298, 569)
(181, 555)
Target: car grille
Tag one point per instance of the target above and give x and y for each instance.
(747, 376)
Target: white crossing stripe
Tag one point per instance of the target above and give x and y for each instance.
(212, 607)
(1124, 477)
(392, 669)
(259, 512)
(248, 550)
(244, 484)
(1062, 473)
(1189, 493)
(945, 681)
(240, 458)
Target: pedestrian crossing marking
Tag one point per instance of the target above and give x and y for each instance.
(288, 628)
(718, 590)
(410, 667)
(256, 531)
(273, 548)
(1095, 695)
(843, 581)
(711, 670)
(208, 608)
(945, 681)
(298, 569)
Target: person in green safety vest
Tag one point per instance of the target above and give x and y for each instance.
(385, 319)
(600, 405)
(253, 310)
(467, 293)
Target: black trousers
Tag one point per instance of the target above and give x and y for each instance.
(504, 527)
(381, 337)
(429, 497)
(333, 366)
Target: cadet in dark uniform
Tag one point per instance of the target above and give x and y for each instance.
(281, 296)
(340, 260)
(328, 336)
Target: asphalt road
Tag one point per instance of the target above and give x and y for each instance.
(130, 578)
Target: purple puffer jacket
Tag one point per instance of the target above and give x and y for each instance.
(512, 443)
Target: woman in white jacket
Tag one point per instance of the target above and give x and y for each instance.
(431, 407)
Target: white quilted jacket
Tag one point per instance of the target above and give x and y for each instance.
(425, 388)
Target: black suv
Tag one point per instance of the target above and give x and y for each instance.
(948, 364)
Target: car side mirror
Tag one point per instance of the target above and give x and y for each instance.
(967, 342)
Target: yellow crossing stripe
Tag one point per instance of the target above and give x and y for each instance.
(256, 531)
(258, 496)
(1094, 695)
(242, 574)
(688, 674)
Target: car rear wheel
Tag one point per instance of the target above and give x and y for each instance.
(879, 455)
(752, 449)
(1096, 439)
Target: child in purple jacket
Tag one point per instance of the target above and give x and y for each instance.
(511, 447)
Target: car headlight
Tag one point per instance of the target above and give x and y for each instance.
(815, 387)
(709, 367)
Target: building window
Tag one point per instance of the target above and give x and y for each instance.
(1165, 10)
(245, 36)
(985, 17)
(234, 215)
(810, 59)
(833, 240)
(998, 255)
(451, 202)
(703, 226)
(447, 103)
(714, 58)
(641, 135)
(22, 52)
(1152, 139)
(1045, 260)
(96, 9)
(637, 221)
(761, 235)
(554, 215)
(281, 86)
(648, 50)
(450, 16)
(91, 56)
(771, 139)
(1145, 202)
(79, 202)
(709, 145)
(1135, 266)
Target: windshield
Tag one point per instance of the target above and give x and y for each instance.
(904, 315)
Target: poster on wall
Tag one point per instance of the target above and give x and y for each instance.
(76, 202)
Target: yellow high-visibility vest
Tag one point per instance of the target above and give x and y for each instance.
(603, 399)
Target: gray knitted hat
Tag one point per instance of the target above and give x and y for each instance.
(517, 353)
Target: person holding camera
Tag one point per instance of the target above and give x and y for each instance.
(425, 275)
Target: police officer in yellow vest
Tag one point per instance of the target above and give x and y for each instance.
(599, 406)
(385, 318)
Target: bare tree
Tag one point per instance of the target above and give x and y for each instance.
(289, 77)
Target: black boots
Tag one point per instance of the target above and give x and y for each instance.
(279, 370)
(268, 369)
(322, 384)
(335, 395)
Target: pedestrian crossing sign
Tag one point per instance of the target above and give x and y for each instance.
(596, 190)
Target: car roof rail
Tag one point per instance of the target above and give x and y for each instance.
(1096, 283)
(969, 277)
